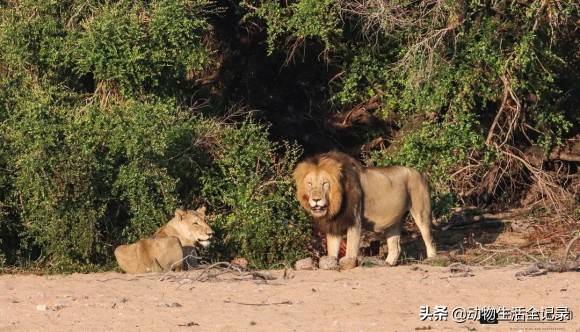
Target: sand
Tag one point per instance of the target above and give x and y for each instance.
(362, 299)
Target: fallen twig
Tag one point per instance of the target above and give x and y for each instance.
(259, 304)
(568, 248)
(509, 250)
(213, 271)
(540, 268)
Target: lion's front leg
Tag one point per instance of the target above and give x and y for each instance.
(353, 234)
(332, 249)
(333, 244)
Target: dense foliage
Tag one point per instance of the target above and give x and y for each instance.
(114, 113)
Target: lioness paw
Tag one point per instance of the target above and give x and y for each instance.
(346, 263)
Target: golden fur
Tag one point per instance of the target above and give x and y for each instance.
(150, 255)
(189, 227)
(343, 196)
(168, 246)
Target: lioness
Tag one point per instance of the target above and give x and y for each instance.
(342, 195)
(170, 244)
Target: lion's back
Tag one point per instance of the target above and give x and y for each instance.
(389, 192)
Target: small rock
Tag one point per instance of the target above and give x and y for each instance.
(305, 264)
(170, 305)
(41, 307)
(328, 263)
(57, 307)
(347, 263)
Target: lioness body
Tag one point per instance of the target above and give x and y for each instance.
(150, 255)
(168, 246)
(341, 195)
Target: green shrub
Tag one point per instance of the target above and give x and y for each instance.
(85, 177)
(96, 149)
(300, 20)
(141, 45)
(102, 134)
(133, 46)
(252, 190)
(81, 172)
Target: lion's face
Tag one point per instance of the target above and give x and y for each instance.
(319, 190)
(192, 226)
(317, 193)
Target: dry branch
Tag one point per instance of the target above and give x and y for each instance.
(211, 272)
(540, 268)
(259, 304)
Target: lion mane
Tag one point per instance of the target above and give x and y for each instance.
(345, 196)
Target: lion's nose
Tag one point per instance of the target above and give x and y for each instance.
(319, 201)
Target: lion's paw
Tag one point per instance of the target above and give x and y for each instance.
(392, 260)
(346, 263)
(328, 263)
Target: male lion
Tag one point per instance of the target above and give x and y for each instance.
(342, 195)
(168, 246)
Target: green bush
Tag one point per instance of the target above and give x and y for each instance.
(111, 111)
(97, 151)
(251, 188)
(442, 70)
(80, 172)
(308, 19)
(141, 46)
(133, 46)
(87, 178)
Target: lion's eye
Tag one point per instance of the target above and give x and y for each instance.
(326, 185)
(309, 184)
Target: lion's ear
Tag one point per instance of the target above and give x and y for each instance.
(201, 210)
(179, 213)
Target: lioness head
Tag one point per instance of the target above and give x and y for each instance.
(191, 226)
(318, 186)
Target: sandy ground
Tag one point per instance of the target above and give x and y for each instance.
(363, 299)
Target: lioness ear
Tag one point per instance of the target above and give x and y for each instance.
(201, 210)
(179, 213)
